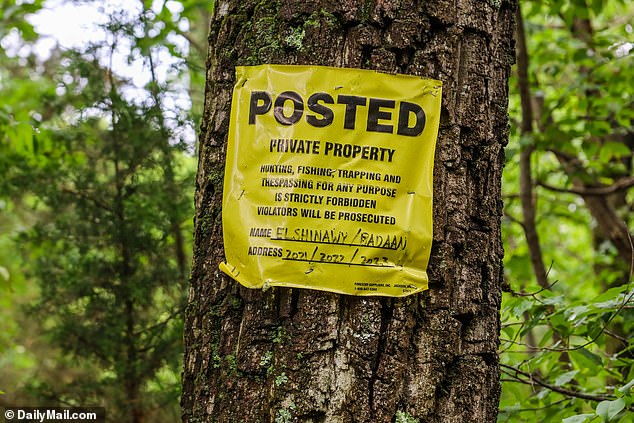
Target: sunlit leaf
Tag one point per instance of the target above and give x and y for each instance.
(614, 150)
(608, 410)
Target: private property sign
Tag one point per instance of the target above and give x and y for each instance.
(328, 179)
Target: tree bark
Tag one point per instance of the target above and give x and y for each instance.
(290, 355)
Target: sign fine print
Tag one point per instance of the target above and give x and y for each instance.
(328, 179)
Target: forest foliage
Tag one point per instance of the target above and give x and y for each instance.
(567, 321)
(97, 202)
(96, 211)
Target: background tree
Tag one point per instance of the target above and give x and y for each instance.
(97, 176)
(299, 355)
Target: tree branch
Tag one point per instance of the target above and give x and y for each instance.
(610, 224)
(619, 185)
(533, 381)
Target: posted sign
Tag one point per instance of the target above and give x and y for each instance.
(328, 180)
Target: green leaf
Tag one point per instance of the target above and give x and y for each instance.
(579, 418)
(560, 324)
(21, 135)
(573, 313)
(591, 356)
(609, 295)
(548, 337)
(558, 300)
(4, 273)
(566, 377)
(613, 150)
(597, 6)
(584, 359)
(608, 410)
(524, 304)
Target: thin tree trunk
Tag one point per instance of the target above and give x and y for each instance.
(129, 352)
(526, 181)
(285, 355)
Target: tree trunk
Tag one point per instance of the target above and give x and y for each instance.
(290, 355)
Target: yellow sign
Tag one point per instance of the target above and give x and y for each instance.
(328, 180)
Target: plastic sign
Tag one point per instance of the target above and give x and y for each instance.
(328, 179)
